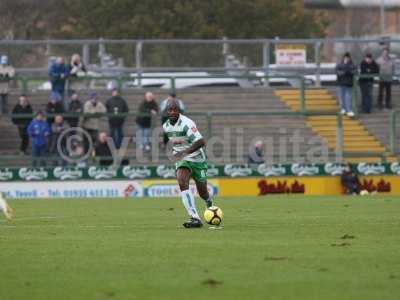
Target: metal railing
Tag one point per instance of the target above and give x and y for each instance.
(141, 56)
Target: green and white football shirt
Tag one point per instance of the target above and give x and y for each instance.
(182, 135)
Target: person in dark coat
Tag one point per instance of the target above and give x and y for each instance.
(350, 181)
(102, 151)
(368, 67)
(54, 106)
(256, 155)
(58, 73)
(345, 71)
(75, 107)
(147, 109)
(22, 108)
(116, 105)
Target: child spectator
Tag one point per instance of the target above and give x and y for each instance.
(116, 105)
(39, 132)
(22, 108)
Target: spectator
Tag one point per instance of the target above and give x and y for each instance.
(22, 108)
(116, 105)
(39, 132)
(350, 181)
(57, 128)
(102, 151)
(76, 67)
(345, 71)
(75, 107)
(54, 106)
(91, 123)
(147, 109)
(256, 155)
(76, 70)
(7, 72)
(386, 72)
(77, 154)
(368, 67)
(58, 73)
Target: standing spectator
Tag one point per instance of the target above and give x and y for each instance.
(345, 71)
(91, 123)
(386, 72)
(39, 132)
(57, 128)
(102, 151)
(76, 70)
(7, 72)
(256, 155)
(22, 108)
(147, 109)
(54, 106)
(368, 67)
(58, 73)
(116, 105)
(76, 67)
(75, 107)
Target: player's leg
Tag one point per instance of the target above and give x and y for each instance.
(199, 174)
(5, 208)
(183, 177)
(203, 192)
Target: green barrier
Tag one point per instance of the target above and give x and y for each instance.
(164, 171)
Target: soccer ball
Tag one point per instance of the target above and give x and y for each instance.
(364, 193)
(213, 215)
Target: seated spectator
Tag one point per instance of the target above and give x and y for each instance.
(75, 107)
(7, 72)
(102, 151)
(256, 155)
(58, 73)
(54, 106)
(22, 108)
(57, 128)
(163, 112)
(350, 181)
(147, 109)
(77, 154)
(76, 67)
(91, 123)
(116, 105)
(39, 133)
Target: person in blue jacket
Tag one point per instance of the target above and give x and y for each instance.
(58, 73)
(39, 133)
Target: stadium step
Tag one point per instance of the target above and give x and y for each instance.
(356, 137)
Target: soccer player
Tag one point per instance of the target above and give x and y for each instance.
(188, 149)
(5, 208)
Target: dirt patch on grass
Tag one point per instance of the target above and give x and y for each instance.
(276, 258)
(347, 237)
(211, 282)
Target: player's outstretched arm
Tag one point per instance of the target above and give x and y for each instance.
(193, 148)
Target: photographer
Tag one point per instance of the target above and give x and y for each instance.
(7, 72)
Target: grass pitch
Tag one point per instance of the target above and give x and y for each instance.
(269, 248)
